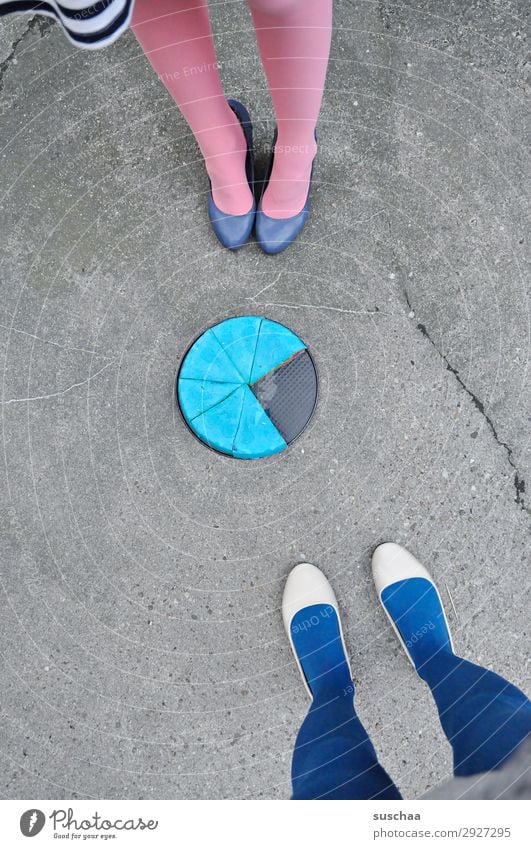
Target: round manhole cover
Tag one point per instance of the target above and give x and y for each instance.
(247, 387)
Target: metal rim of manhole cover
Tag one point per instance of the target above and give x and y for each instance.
(247, 387)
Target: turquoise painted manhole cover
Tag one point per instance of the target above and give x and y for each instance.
(247, 387)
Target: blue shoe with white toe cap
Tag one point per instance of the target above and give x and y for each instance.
(484, 716)
(333, 756)
(412, 603)
(234, 230)
(311, 619)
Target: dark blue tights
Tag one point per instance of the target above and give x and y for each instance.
(484, 717)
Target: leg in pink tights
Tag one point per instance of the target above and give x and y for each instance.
(176, 37)
(294, 42)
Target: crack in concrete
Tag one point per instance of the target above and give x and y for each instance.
(51, 342)
(326, 308)
(36, 21)
(60, 392)
(333, 233)
(518, 480)
(265, 288)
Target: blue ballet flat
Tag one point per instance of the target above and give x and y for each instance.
(276, 234)
(234, 230)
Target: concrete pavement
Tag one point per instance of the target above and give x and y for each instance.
(143, 654)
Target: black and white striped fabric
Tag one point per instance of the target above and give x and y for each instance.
(85, 24)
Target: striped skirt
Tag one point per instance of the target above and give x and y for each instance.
(85, 24)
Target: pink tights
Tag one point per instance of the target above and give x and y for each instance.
(294, 43)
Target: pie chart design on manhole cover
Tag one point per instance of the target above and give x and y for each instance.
(247, 387)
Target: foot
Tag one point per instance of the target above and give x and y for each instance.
(225, 152)
(313, 626)
(289, 183)
(412, 603)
